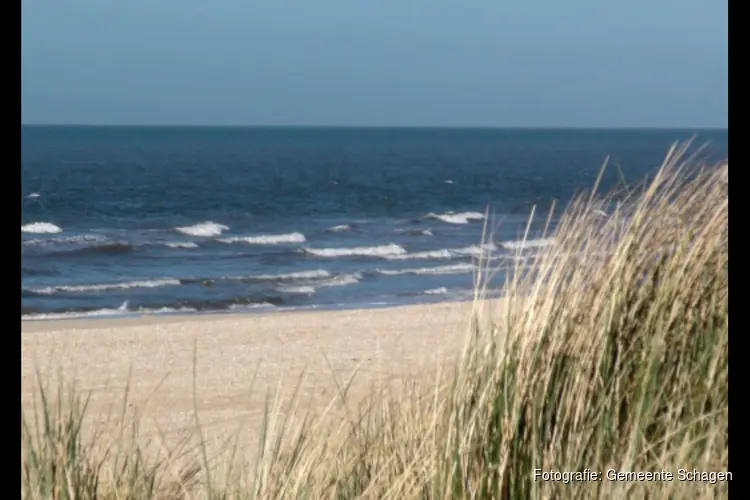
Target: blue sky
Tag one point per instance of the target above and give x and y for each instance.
(574, 63)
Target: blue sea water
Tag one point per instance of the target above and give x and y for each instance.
(127, 220)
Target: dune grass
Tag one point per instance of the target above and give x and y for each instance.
(608, 352)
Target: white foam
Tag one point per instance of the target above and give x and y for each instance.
(446, 253)
(105, 312)
(448, 181)
(475, 250)
(41, 228)
(33, 195)
(302, 290)
(327, 281)
(105, 286)
(86, 238)
(245, 307)
(301, 275)
(72, 315)
(342, 280)
(437, 270)
(181, 244)
(521, 244)
(204, 229)
(340, 228)
(431, 254)
(454, 218)
(374, 251)
(423, 232)
(436, 291)
(166, 310)
(272, 239)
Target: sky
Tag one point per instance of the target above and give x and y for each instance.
(470, 63)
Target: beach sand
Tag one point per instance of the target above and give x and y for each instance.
(239, 358)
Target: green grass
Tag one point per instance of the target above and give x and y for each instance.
(610, 352)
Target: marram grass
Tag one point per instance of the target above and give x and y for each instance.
(609, 352)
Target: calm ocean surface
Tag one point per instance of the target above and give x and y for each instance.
(119, 221)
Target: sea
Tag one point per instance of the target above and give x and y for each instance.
(122, 221)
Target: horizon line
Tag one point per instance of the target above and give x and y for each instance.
(418, 127)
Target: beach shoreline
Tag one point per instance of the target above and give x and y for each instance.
(136, 318)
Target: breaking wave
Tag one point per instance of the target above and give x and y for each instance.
(203, 229)
(300, 275)
(273, 239)
(103, 287)
(430, 271)
(302, 290)
(416, 232)
(522, 244)
(181, 244)
(41, 228)
(123, 309)
(456, 218)
(373, 251)
(446, 253)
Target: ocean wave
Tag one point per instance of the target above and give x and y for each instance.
(114, 247)
(81, 238)
(166, 310)
(272, 239)
(188, 306)
(262, 300)
(103, 247)
(446, 253)
(98, 243)
(430, 254)
(436, 291)
(309, 285)
(103, 287)
(302, 290)
(475, 250)
(341, 280)
(454, 218)
(123, 309)
(397, 252)
(373, 251)
(120, 311)
(248, 307)
(302, 276)
(299, 275)
(416, 232)
(430, 271)
(41, 228)
(32, 195)
(315, 278)
(180, 244)
(522, 244)
(203, 229)
(340, 228)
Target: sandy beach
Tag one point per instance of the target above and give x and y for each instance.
(239, 358)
